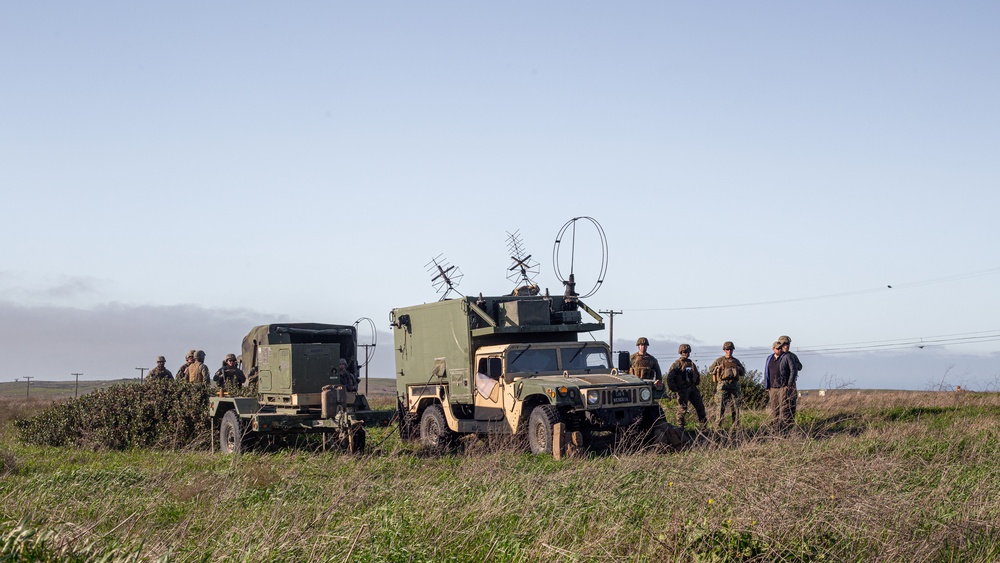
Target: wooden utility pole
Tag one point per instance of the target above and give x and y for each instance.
(27, 390)
(76, 393)
(141, 370)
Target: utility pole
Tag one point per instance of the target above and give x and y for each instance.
(27, 390)
(611, 314)
(367, 361)
(76, 393)
(141, 371)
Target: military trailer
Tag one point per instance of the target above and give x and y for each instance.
(511, 365)
(300, 388)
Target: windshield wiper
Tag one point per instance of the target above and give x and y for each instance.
(577, 353)
(514, 361)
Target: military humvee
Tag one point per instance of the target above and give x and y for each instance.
(511, 365)
(300, 388)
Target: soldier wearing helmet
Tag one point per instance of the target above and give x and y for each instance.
(642, 364)
(726, 372)
(197, 372)
(683, 378)
(160, 371)
(182, 371)
(229, 375)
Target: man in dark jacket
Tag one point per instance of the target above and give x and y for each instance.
(780, 374)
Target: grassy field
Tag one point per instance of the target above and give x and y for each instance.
(889, 476)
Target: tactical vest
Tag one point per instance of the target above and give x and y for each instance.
(194, 373)
(729, 370)
(642, 366)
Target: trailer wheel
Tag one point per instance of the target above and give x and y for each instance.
(356, 441)
(434, 431)
(541, 422)
(231, 435)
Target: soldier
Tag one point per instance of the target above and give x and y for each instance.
(726, 372)
(792, 391)
(229, 375)
(182, 371)
(160, 371)
(683, 379)
(643, 365)
(347, 377)
(197, 372)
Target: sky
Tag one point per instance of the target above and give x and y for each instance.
(176, 173)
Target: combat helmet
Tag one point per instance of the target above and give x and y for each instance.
(684, 348)
(160, 359)
(643, 341)
(784, 339)
(190, 355)
(728, 346)
(200, 355)
(230, 357)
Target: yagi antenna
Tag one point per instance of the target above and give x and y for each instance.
(444, 276)
(524, 269)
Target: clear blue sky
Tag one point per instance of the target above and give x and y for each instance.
(305, 160)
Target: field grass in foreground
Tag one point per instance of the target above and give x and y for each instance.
(871, 477)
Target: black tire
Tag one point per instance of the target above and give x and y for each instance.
(356, 441)
(231, 434)
(541, 422)
(650, 416)
(434, 431)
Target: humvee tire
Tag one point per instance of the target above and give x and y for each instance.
(541, 422)
(434, 431)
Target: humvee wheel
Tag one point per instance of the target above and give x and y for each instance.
(540, 424)
(434, 431)
(231, 434)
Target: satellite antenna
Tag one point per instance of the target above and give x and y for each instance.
(568, 233)
(524, 269)
(444, 276)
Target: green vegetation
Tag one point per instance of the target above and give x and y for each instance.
(153, 414)
(872, 477)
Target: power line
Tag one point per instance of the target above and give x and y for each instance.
(890, 345)
(888, 287)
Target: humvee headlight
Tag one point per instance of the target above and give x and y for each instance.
(645, 394)
(593, 397)
(563, 391)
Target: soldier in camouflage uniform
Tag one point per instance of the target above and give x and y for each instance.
(643, 365)
(726, 372)
(197, 372)
(182, 371)
(160, 371)
(792, 391)
(683, 379)
(229, 375)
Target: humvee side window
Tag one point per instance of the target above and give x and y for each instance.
(491, 367)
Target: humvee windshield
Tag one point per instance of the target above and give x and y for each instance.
(585, 358)
(577, 358)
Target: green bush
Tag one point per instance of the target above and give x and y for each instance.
(160, 414)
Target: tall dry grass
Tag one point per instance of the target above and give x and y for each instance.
(897, 478)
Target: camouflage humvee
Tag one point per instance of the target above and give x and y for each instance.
(511, 365)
